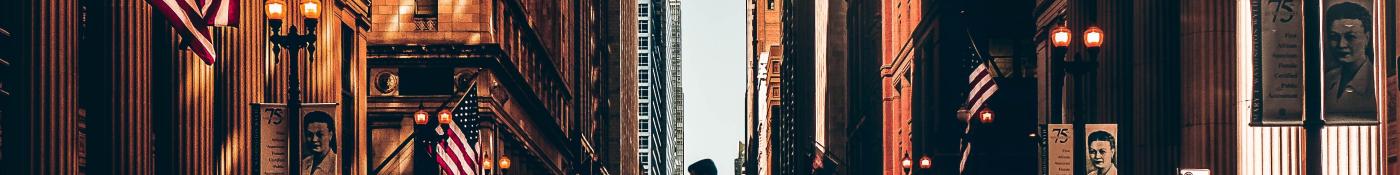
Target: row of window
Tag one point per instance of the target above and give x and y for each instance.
(644, 77)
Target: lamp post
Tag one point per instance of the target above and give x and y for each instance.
(986, 116)
(427, 137)
(444, 117)
(1059, 40)
(1080, 68)
(487, 165)
(925, 162)
(907, 165)
(504, 163)
(293, 41)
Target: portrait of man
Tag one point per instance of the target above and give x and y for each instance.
(1103, 157)
(318, 144)
(1349, 94)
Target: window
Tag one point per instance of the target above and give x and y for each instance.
(425, 14)
(771, 5)
(425, 8)
(642, 10)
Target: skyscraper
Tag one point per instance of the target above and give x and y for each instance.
(658, 85)
(677, 95)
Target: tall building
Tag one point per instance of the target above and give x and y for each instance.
(660, 97)
(763, 57)
(650, 96)
(793, 123)
(898, 21)
(674, 87)
(833, 85)
(551, 97)
(864, 124)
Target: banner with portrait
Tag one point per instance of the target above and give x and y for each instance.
(1101, 142)
(1353, 70)
(319, 143)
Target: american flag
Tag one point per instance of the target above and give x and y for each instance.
(457, 154)
(983, 86)
(192, 18)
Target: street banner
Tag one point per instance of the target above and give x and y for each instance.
(1350, 64)
(1353, 73)
(1278, 63)
(1060, 149)
(319, 141)
(1102, 143)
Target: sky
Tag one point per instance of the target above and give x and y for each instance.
(712, 70)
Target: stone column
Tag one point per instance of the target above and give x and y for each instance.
(116, 89)
(1151, 141)
(1209, 125)
(238, 81)
(183, 105)
(41, 126)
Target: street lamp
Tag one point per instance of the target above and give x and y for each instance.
(293, 41)
(311, 9)
(426, 136)
(986, 116)
(1060, 36)
(1079, 69)
(504, 164)
(420, 117)
(276, 11)
(486, 165)
(444, 117)
(906, 163)
(1093, 37)
(925, 163)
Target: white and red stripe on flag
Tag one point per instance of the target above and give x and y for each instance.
(454, 154)
(221, 12)
(191, 21)
(982, 88)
